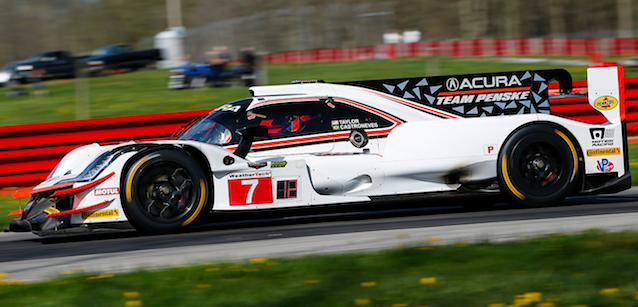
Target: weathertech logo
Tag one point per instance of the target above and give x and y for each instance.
(107, 191)
(603, 151)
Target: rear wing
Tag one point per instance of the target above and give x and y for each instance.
(516, 92)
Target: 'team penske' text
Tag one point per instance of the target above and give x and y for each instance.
(487, 97)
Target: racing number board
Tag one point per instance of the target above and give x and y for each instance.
(250, 188)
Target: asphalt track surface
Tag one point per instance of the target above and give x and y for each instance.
(26, 257)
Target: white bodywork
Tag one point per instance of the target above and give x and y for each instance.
(415, 157)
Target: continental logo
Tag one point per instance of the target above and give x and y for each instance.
(100, 214)
(603, 151)
(605, 103)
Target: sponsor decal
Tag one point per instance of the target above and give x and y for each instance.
(230, 108)
(483, 82)
(603, 151)
(286, 189)
(87, 215)
(351, 124)
(604, 165)
(250, 188)
(487, 97)
(490, 150)
(275, 164)
(601, 136)
(249, 175)
(605, 103)
(51, 210)
(106, 191)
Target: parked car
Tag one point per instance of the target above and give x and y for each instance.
(120, 57)
(314, 144)
(8, 74)
(47, 65)
(215, 73)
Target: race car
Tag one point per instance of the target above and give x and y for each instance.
(313, 143)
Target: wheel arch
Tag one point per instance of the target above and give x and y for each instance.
(197, 155)
(577, 147)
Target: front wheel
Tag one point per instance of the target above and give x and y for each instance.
(164, 192)
(538, 166)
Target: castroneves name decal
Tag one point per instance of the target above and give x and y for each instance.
(100, 214)
(106, 191)
(603, 152)
(352, 124)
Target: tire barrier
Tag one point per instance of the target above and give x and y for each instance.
(29, 152)
(595, 48)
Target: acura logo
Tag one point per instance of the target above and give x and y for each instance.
(452, 84)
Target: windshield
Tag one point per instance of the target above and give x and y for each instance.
(101, 51)
(208, 131)
(10, 66)
(219, 126)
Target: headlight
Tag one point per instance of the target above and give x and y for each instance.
(100, 163)
(4, 77)
(96, 63)
(24, 67)
(95, 168)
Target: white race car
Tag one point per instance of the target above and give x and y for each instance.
(315, 143)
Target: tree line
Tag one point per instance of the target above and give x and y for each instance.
(32, 26)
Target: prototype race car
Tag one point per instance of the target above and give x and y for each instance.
(315, 143)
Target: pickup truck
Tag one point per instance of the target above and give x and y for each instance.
(46, 65)
(120, 57)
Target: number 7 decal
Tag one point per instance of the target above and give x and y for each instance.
(253, 185)
(250, 189)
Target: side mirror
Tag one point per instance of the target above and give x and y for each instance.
(248, 134)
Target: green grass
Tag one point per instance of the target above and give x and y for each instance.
(592, 269)
(146, 92)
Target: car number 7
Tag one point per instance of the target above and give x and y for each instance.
(250, 191)
(253, 185)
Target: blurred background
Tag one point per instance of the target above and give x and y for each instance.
(28, 27)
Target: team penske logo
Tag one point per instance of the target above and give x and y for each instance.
(605, 103)
(453, 84)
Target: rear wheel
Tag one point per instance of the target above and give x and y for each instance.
(538, 166)
(164, 191)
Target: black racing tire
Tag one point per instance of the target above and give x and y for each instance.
(165, 191)
(538, 166)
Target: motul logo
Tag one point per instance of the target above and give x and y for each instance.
(453, 84)
(107, 191)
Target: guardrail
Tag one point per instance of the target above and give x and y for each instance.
(459, 48)
(29, 152)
